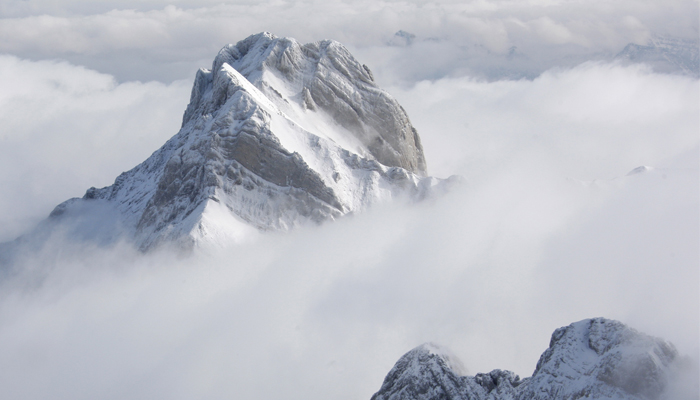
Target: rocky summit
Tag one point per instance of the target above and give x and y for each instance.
(590, 359)
(277, 134)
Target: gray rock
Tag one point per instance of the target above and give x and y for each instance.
(327, 78)
(276, 135)
(595, 359)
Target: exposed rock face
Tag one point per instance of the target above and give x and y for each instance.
(324, 77)
(429, 372)
(276, 135)
(593, 359)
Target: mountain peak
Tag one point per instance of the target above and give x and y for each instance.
(595, 358)
(607, 356)
(325, 80)
(277, 134)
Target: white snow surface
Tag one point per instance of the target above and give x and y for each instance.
(276, 135)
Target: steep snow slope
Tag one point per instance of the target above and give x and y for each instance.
(276, 135)
(594, 359)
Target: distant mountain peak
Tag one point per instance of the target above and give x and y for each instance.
(665, 54)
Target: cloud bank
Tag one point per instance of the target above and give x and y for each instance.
(594, 121)
(490, 270)
(65, 128)
(546, 230)
(153, 41)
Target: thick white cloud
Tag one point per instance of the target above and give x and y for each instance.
(64, 129)
(490, 270)
(594, 121)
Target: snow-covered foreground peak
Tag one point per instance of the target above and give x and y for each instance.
(593, 359)
(276, 135)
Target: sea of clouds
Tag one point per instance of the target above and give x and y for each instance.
(547, 229)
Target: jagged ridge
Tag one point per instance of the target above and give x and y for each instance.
(276, 135)
(595, 358)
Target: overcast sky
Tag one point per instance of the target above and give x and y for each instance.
(548, 228)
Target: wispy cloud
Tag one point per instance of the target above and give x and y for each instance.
(65, 128)
(148, 40)
(594, 121)
(489, 270)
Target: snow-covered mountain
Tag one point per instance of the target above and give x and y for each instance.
(277, 134)
(665, 54)
(593, 359)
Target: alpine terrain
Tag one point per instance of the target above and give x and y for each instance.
(277, 134)
(590, 359)
(665, 54)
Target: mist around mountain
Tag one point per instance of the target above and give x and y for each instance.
(150, 40)
(664, 54)
(276, 135)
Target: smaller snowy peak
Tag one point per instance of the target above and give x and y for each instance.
(420, 374)
(666, 55)
(640, 170)
(432, 372)
(602, 358)
(402, 39)
(590, 359)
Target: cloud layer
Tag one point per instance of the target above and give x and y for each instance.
(490, 270)
(65, 128)
(594, 121)
(547, 230)
(152, 41)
